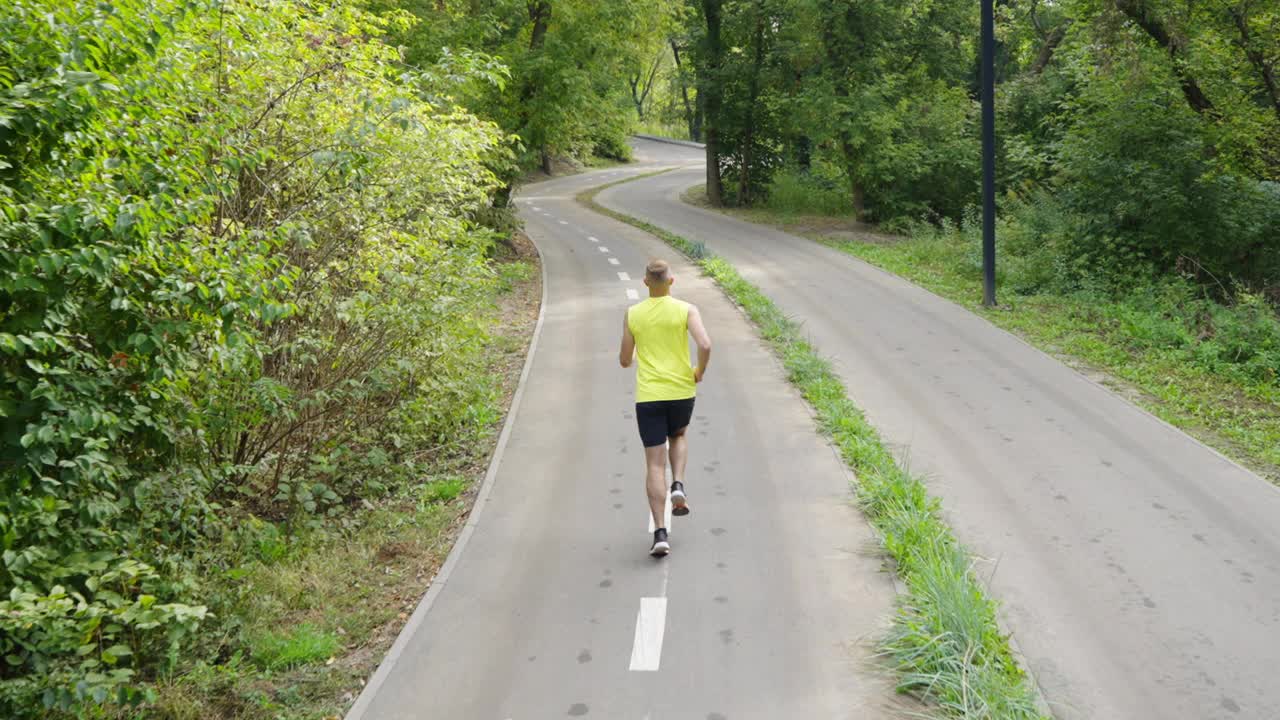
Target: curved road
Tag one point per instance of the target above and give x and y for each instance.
(553, 608)
(1138, 569)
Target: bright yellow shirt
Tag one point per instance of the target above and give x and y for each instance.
(660, 326)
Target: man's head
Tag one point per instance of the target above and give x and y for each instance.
(658, 277)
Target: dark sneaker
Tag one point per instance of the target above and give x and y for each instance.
(660, 545)
(679, 503)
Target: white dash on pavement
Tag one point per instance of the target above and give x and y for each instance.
(632, 294)
(613, 261)
(536, 208)
(604, 249)
(651, 624)
(593, 238)
(564, 222)
(624, 277)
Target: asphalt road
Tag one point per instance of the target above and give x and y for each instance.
(1138, 569)
(552, 608)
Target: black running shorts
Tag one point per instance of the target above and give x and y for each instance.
(661, 419)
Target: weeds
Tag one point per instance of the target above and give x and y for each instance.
(945, 644)
(442, 490)
(299, 646)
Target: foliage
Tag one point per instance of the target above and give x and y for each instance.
(569, 61)
(1147, 131)
(212, 304)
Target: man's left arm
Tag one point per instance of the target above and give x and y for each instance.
(702, 340)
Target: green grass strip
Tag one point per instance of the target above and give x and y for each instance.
(944, 643)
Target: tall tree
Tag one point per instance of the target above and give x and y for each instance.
(710, 93)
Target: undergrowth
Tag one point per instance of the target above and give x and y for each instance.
(945, 643)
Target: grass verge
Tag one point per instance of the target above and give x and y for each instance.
(945, 643)
(308, 618)
(1139, 346)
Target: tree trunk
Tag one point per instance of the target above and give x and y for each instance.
(1046, 50)
(540, 16)
(1136, 10)
(647, 88)
(695, 133)
(709, 91)
(692, 118)
(804, 153)
(1265, 68)
(635, 95)
(857, 192)
(753, 92)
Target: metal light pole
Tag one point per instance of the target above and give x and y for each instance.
(988, 153)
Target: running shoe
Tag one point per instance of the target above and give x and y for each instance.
(679, 503)
(660, 545)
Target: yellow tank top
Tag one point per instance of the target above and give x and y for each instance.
(661, 328)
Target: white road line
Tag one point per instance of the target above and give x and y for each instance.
(593, 238)
(564, 222)
(651, 624)
(536, 208)
(624, 277)
(632, 294)
(613, 261)
(604, 249)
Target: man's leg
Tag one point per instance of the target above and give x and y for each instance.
(678, 441)
(679, 452)
(655, 483)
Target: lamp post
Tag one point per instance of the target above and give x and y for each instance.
(988, 154)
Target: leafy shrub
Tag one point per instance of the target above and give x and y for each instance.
(239, 271)
(1140, 173)
(814, 192)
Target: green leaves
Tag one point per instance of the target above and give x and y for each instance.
(239, 272)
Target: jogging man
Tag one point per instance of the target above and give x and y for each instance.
(656, 332)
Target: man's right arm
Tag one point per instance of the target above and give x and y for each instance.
(702, 340)
(627, 352)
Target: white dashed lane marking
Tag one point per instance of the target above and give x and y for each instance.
(593, 238)
(632, 294)
(651, 625)
(604, 249)
(624, 277)
(613, 261)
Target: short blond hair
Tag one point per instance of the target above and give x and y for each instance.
(658, 271)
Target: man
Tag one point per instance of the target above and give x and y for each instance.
(656, 331)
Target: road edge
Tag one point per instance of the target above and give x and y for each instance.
(441, 579)
(670, 141)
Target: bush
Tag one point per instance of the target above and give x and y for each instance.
(812, 192)
(212, 302)
(1139, 172)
